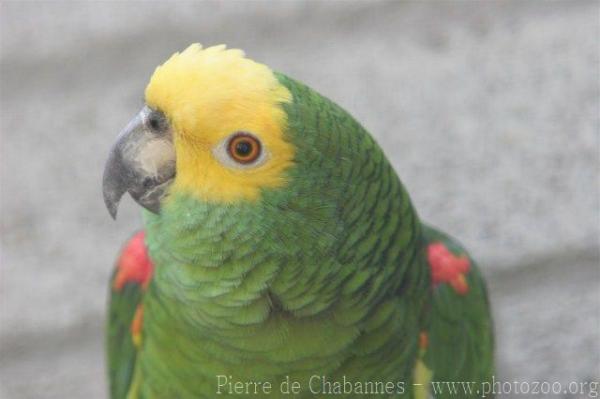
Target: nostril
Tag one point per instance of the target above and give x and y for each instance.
(154, 123)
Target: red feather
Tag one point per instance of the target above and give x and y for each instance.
(447, 267)
(134, 264)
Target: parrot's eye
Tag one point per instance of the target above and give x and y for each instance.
(241, 150)
(244, 148)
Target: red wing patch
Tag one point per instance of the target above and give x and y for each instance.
(423, 340)
(134, 264)
(448, 268)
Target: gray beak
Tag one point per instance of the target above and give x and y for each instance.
(141, 162)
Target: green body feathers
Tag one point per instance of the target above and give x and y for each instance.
(327, 276)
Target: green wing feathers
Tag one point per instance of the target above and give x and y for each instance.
(460, 333)
(123, 331)
(120, 346)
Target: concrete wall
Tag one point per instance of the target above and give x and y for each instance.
(488, 111)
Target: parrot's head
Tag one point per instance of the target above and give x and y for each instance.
(213, 126)
(223, 135)
(240, 165)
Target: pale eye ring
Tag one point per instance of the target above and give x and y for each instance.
(240, 150)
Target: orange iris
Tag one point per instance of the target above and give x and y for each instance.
(244, 148)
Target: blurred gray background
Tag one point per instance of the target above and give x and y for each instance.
(488, 111)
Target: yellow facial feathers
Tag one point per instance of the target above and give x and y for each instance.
(209, 94)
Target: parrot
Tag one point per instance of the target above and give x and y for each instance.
(280, 253)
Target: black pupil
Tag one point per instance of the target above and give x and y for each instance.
(243, 148)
